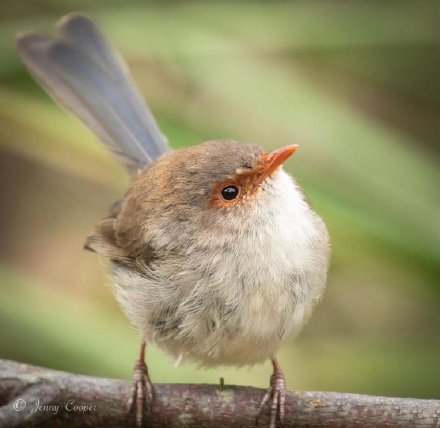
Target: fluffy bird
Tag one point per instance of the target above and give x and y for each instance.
(216, 257)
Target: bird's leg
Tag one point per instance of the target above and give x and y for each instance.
(142, 391)
(275, 396)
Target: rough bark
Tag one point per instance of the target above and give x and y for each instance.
(96, 402)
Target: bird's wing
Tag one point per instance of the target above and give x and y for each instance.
(82, 73)
(104, 242)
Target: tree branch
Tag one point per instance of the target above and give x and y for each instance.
(59, 399)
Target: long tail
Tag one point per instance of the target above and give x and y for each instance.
(85, 75)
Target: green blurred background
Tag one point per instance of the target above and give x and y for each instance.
(356, 84)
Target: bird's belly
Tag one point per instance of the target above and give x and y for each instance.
(243, 328)
(240, 318)
(265, 320)
(249, 334)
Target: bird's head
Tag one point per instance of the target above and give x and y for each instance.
(222, 185)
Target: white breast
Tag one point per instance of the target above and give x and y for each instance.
(285, 262)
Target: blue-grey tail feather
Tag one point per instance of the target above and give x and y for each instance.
(85, 75)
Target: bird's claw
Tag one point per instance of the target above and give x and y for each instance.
(275, 396)
(142, 393)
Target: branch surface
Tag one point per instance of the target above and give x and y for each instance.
(37, 397)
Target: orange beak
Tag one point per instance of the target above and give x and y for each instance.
(271, 161)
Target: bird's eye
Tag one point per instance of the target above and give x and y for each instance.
(230, 192)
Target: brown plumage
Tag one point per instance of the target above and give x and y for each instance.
(171, 187)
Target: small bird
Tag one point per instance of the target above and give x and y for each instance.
(215, 255)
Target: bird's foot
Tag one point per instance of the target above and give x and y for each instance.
(275, 397)
(142, 393)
